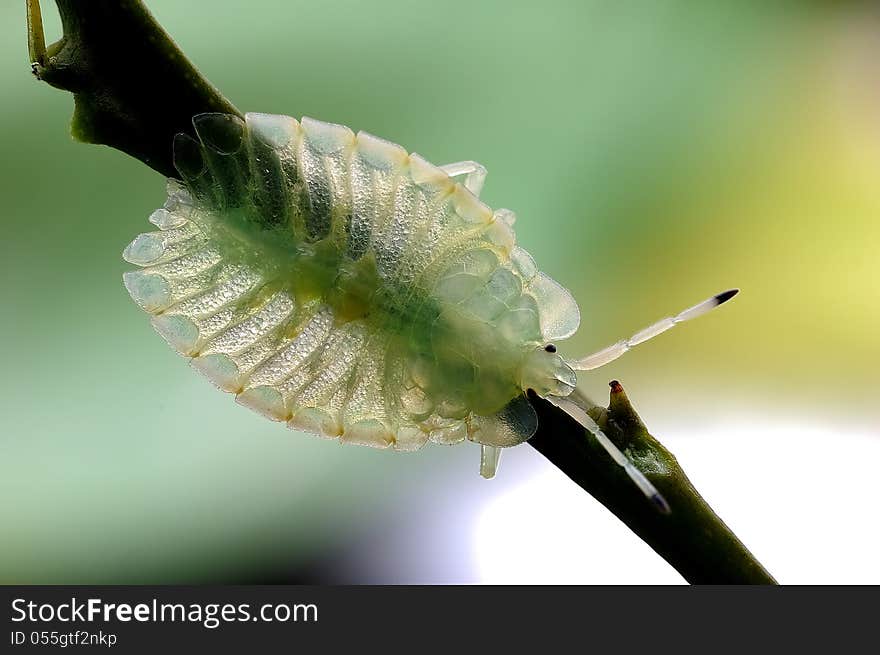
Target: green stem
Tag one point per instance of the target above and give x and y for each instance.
(693, 539)
(132, 86)
(134, 90)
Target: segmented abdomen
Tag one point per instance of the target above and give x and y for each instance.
(337, 283)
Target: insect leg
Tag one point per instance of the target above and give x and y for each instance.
(612, 352)
(222, 138)
(489, 457)
(475, 174)
(575, 411)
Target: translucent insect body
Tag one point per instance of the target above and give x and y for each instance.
(336, 283)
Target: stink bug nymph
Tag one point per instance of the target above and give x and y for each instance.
(340, 285)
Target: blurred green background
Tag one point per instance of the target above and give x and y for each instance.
(655, 153)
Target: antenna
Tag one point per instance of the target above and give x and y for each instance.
(612, 352)
(575, 411)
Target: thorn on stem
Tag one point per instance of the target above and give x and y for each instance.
(620, 409)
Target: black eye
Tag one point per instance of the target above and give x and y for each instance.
(550, 348)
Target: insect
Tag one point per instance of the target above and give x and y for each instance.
(336, 283)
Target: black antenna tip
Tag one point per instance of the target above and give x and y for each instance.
(724, 296)
(661, 504)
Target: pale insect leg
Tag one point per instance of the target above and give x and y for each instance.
(579, 414)
(489, 456)
(612, 352)
(475, 174)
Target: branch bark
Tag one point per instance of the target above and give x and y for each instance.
(134, 90)
(693, 539)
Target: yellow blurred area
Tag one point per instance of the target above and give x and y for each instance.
(783, 201)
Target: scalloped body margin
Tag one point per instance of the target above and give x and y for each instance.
(336, 283)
